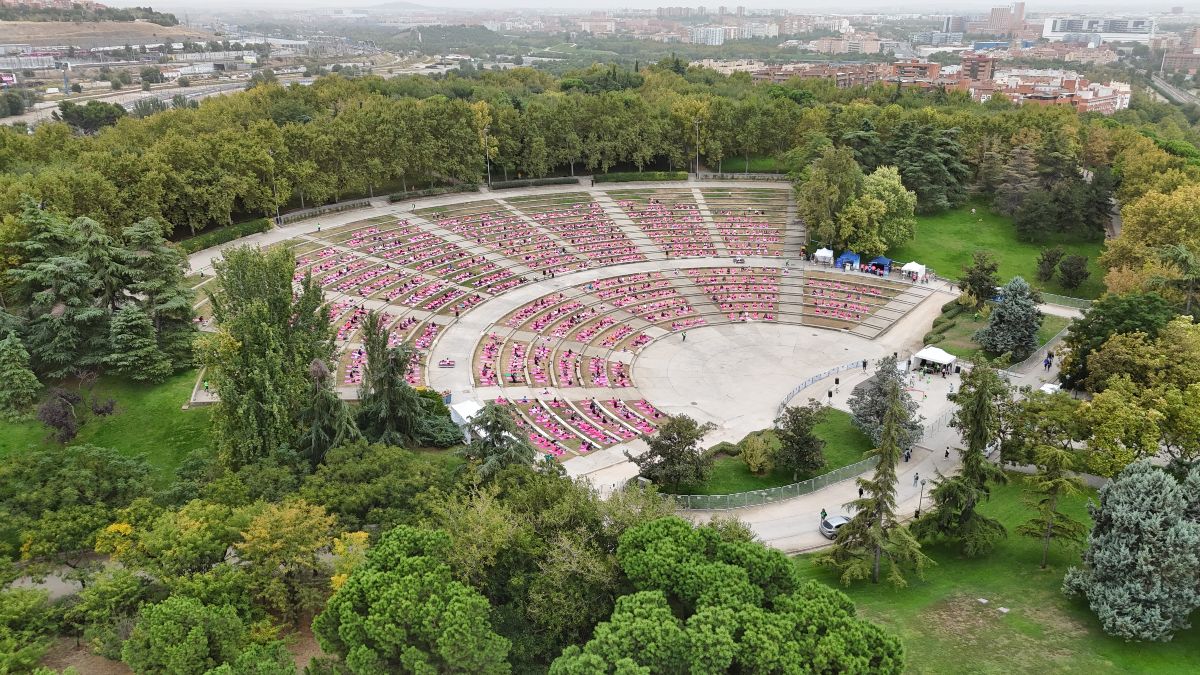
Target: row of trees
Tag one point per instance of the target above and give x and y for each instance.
(250, 152)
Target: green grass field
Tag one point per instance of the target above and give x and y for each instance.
(149, 420)
(758, 164)
(959, 339)
(946, 630)
(945, 242)
(844, 445)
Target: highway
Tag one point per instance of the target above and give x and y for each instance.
(1172, 92)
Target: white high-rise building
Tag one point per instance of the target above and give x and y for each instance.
(1105, 29)
(707, 35)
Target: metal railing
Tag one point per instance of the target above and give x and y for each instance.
(1037, 355)
(815, 379)
(739, 500)
(1065, 301)
(336, 207)
(771, 495)
(777, 177)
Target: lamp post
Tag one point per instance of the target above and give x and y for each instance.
(487, 156)
(697, 123)
(921, 498)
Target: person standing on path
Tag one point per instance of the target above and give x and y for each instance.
(684, 337)
(1047, 363)
(916, 478)
(823, 514)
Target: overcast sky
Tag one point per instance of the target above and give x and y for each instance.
(798, 6)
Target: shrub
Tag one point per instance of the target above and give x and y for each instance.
(224, 235)
(933, 338)
(1048, 262)
(757, 455)
(632, 176)
(1073, 271)
(531, 182)
(724, 448)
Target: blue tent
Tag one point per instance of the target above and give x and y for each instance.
(849, 257)
(883, 262)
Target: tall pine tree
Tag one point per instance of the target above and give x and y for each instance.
(133, 349)
(1051, 484)
(326, 420)
(874, 536)
(955, 498)
(156, 270)
(1018, 179)
(1014, 322)
(19, 387)
(391, 411)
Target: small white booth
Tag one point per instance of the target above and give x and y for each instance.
(933, 357)
(914, 270)
(462, 413)
(823, 256)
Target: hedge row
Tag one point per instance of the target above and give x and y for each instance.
(431, 192)
(531, 182)
(635, 176)
(224, 235)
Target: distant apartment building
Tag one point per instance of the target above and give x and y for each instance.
(937, 38)
(794, 25)
(1000, 21)
(1096, 29)
(598, 26)
(843, 76)
(1056, 87)
(1185, 62)
(977, 66)
(706, 35)
(915, 69)
(854, 43)
(759, 30)
(954, 24)
(677, 12)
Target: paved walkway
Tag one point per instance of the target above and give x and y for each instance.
(791, 526)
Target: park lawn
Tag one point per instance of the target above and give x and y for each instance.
(149, 421)
(946, 630)
(758, 164)
(959, 339)
(844, 445)
(945, 242)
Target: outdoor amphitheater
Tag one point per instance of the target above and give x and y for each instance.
(592, 313)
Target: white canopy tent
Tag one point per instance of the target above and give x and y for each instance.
(462, 413)
(935, 355)
(823, 256)
(914, 267)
